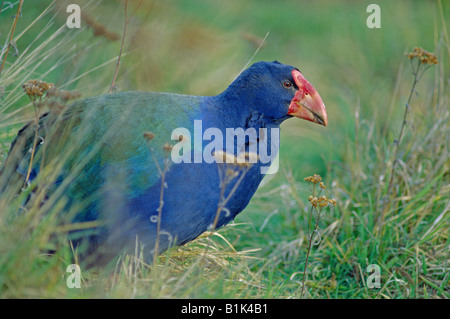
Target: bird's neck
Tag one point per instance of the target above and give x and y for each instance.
(259, 133)
(233, 109)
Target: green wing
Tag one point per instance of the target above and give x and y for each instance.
(101, 136)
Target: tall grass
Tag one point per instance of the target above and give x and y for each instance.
(365, 81)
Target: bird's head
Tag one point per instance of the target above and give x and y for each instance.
(280, 91)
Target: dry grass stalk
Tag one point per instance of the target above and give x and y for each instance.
(318, 203)
(11, 40)
(419, 59)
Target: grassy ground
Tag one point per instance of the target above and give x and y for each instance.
(198, 47)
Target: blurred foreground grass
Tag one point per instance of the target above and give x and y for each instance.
(198, 47)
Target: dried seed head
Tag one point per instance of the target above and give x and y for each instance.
(245, 164)
(167, 147)
(99, 29)
(313, 179)
(246, 159)
(424, 56)
(149, 136)
(41, 89)
(251, 157)
(36, 88)
(224, 157)
(332, 202)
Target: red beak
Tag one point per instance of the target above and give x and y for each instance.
(307, 103)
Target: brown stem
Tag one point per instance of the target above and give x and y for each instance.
(161, 204)
(121, 48)
(309, 243)
(397, 143)
(127, 20)
(33, 151)
(223, 201)
(12, 35)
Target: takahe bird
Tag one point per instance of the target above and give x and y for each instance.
(109, 159)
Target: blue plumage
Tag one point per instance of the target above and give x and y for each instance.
(107, 169)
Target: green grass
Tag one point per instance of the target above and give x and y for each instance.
(198, 47)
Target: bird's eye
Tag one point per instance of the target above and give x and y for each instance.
(287, 84)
